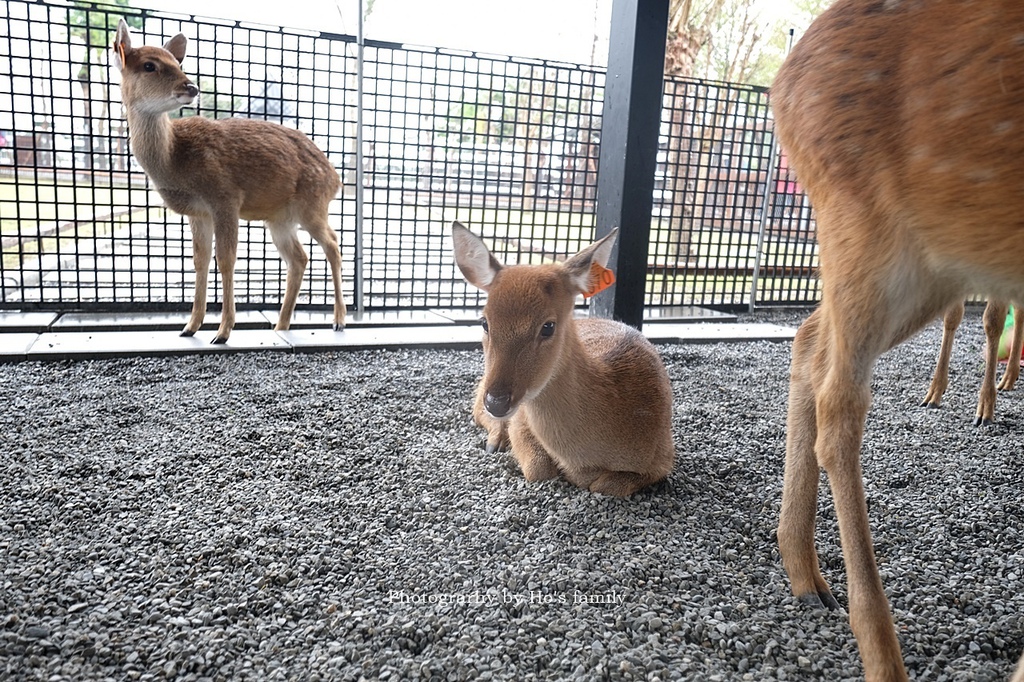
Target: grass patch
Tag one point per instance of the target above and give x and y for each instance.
(33, 209)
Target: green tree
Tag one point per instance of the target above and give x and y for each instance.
(738, 48)
(96, 28)
(737, 41)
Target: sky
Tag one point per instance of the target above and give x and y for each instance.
(562, 30)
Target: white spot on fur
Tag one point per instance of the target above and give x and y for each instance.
(1003, 128)
(981, 175)
(960, 111)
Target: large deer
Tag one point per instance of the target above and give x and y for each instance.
(994, 323)
(588, 399)
(218, 171)
(905, 123)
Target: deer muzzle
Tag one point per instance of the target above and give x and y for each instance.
(498, 406)
(187, 93)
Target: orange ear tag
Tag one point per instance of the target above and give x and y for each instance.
(600, 279)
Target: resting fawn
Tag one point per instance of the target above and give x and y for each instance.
(218, 171)
(588, 399)
(903, 120)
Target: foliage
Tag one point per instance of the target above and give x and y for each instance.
(95, 28)
(739, 41)
(509, 109)
(690, 25)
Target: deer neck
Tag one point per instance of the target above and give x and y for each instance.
(152, 141)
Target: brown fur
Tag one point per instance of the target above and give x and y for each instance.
(216, 172)
(592, 402)
(903, 120)
(994, 322)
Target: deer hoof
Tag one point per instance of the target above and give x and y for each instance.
(187, 333)
(218, 340)
(820, 600)
(339, 327)
(982, 421)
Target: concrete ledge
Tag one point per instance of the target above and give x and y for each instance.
(717, 333)
(175, 321)
(54, 336)
(685, 314)
(114, 344)
(355, 338)
(19, 322)
(118, 344)
(324, 319)
(14, 347)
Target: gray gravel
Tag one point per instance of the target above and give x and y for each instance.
(333, 517)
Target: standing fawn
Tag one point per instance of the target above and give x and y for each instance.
(588, 399)
(909, 139)
(218, 171)
(994, 322)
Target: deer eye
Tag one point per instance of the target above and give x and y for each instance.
(483, 323)
(149, 66)
(547, 330)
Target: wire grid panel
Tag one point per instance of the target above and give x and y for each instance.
(788, 273)
(507, 146)
(80, 222)
(712, 173)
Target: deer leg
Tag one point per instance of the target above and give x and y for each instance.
(321, 231)
(532, 457)
(842, 399)
(497, 429)
(870, 617)
(202, 252)
(994, 321)
(1012, 372)
(940, 380)
(286, 239)
(1018, 676)
(619, 483)
(609, 481)
(800, 485)
(227, 252)
(856, 324)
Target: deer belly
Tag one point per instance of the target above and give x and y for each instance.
(182, 202)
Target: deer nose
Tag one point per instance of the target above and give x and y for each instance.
(191, 89)
(498, 405)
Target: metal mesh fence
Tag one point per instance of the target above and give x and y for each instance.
(730, 223)
(507, 145)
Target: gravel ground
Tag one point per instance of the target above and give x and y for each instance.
(333, 517)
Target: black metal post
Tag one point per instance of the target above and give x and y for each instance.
(630, 123)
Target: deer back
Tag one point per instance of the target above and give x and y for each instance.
(258, 169)
(888, 110)
(267, 170)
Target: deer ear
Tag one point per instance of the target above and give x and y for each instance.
(477, 264)
(122, 44)
(176, 46)
(581, 267)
